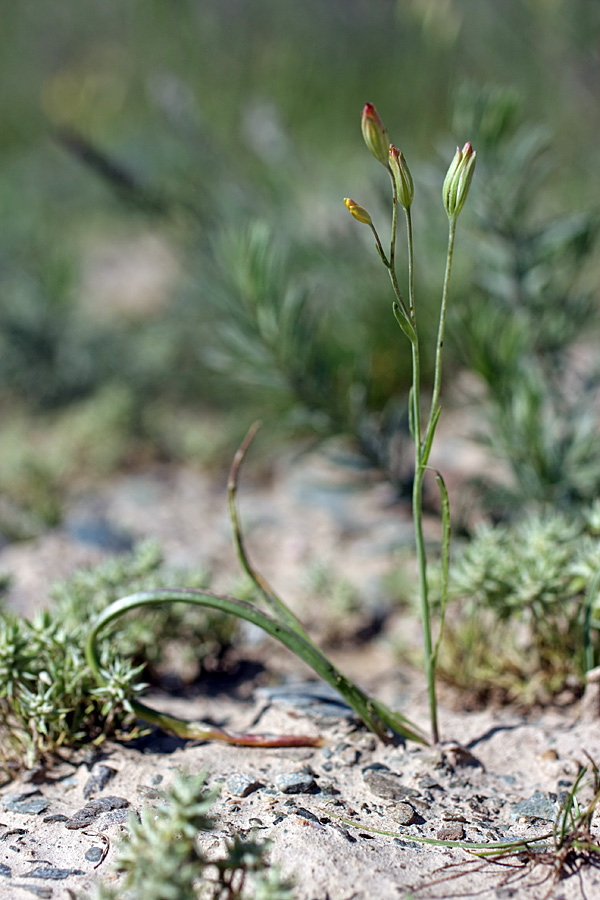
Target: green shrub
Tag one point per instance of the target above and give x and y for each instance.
(524, 607)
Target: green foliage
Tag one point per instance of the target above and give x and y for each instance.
(523, 329)
(48, 696)
(200, 636)
(525, 606)
(160, 858)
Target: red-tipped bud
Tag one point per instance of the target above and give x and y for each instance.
(458, 180)
(403, 182)
(374, 133)
(359, 213)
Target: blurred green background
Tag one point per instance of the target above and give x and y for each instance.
(175, 257)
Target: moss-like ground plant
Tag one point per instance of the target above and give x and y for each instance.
(524, 607)
(160, 857)
(49, 698)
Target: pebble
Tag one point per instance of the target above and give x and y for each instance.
(453, 831)
(5, 871)
(240, 784)
(404, 814)
(98, 780)
(295, 783)
(350, 756)
(384, 783)
(51, 873)
(28, 804)
(538, 806)
(314, 698)
(93, 809)
(94, 854)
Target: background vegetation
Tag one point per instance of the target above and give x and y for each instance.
(173, 245)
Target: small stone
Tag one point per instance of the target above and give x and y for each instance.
(404, 814)
(384, 783)
(93, 809)
(118, 817)
(5, 871)
(350, 756)
(295, 783)
(453, 831)
(94, 854)
(28, 804)
(538, 806)
(306, 814)
(240, 784)
(550, 754)
(429, 783)
(98, 780)
(51, 873)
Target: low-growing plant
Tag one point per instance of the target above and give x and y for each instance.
(282, 623)
(49, 698)
(524, 606)
(160, 857)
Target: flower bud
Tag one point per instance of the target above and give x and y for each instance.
(458, 180)
(374, 133)
(402, 178)
(359, 213)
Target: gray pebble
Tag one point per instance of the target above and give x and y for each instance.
(384, 783)
(5, 871)
(98, 780)
(94, 854)
(350, 756)
(295, 783)
(28, 804)
(240, 784)
(51, 873)
(538, 806)
(93, 809)
(404, 814)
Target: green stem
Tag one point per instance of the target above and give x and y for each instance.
(411, 269)
(378, 718)
(437, 380)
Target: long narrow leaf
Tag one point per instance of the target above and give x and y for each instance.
(375, 715)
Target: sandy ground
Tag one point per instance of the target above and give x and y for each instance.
(300, 799)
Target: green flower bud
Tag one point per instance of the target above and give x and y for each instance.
(359, 213)
(458, 180)
(403, 182)
(374, 133)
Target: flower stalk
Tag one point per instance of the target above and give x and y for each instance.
(454, 194)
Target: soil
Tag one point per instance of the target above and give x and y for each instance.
(497, 775)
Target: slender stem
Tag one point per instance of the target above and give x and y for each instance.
(394, 228)
(411, 270)
(437, 380)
